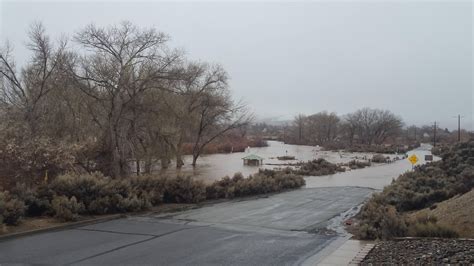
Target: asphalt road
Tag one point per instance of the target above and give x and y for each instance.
(278, 230)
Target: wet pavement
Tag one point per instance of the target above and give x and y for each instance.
(266, 231)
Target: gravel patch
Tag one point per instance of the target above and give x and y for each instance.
(422, 251)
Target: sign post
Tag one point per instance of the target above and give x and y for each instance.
(413, 160)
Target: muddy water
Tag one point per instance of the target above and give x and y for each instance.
(374, 177)
(216, 166)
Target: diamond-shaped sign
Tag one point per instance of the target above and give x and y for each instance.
(413, 159)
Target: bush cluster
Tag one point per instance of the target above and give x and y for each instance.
(426, 226)
(421, 188)
(392, 149)
(265, 181)
(34, 158)
(380, 221)
(70, 195)
(319, 167)
(379, 158)
(356, 164)
(11, 209)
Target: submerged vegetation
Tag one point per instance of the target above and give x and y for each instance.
(319, 167)
(383, 216)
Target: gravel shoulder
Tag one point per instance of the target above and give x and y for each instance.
(421, 251)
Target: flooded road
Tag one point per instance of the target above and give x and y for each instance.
(215, 166)
(374, 177)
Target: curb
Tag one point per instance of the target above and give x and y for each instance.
(61, 227)
(362, 254)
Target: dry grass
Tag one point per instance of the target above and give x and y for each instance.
(456, 213)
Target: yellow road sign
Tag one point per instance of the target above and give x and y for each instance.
(413, 159)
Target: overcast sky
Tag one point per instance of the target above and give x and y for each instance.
(285, 58)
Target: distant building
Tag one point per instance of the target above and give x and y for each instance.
(253, 160)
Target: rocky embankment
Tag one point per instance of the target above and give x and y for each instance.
(422, 251)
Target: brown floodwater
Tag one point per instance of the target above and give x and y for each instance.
(215, 166)
(376, 176)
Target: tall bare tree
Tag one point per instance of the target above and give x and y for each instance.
(123, 63)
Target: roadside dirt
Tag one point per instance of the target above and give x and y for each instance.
(456, 213)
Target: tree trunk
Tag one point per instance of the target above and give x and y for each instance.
(148, 165)
(179, 158)
(195, 157)
(164, 163)
(138, 167)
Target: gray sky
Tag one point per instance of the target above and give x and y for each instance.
(285, 58)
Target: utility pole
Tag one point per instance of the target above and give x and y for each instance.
(434, 135)
(459, 127)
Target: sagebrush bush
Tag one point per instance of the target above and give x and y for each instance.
(265, 181)
(70, 195)
(101, 195)
(37, 201)
(151, 187)
(11, 209)
(382, 148)
(355, 164)
(67, 209)
(379, 158)
(85, 187)
(319, 167)
(184, 190)
(426, 226)
(380, 221)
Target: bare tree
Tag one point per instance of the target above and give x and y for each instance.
(299, 124)
(123, 63)
(27, 89)
(322, 127)
(372, 126)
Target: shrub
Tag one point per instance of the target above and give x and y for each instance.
(24, 156)
(426, 226)
(318, 167)
(85, 188)
(11, 209)
(133, 204)
(184, 190)
(37, 201)
(380, 221)
(66, 209)
(101, 195)
(148, 186)
(355, 164)
(379, 158)
(265, 181)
